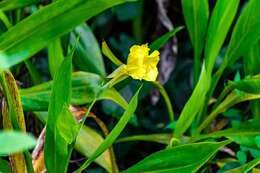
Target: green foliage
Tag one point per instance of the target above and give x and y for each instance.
(65, 85)
(59, 18)
(178, 159)
(15, 142)
(85, 86)
(196, 14)
(4, 166)
(6, 5)
(159, 42)
(115, 132)
(55, 55)
(87, 53)
(57, 148)
(245, 168)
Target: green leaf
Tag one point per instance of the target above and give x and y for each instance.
(20, 42)
(56, 149)
(163, 138)
(251, 67)
(87, 55)
(179, 159)
(249, 85)
(4, 166)
(232, 99)
(220, 22)
(84, 87)
(245, 34)
(222, 17)
(13, 117)
(115, 132)
(67, 125)
(6, 5)
(89, 146)
(252, 61)
(55, 55)
(196, 14)
(22, 142)
(34, 73)
(114, 95)
(246, 167)
(86, 147)
(108, 53)
(194, 105)
(159, 42)
(249, 130)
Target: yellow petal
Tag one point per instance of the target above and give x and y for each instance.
(151, 74)
(153, 59)
(137, 55)
(136, 72)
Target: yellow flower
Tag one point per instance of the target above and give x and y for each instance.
(141, 65)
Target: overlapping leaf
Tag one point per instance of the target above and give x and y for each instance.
(48, 23)
(178, 159)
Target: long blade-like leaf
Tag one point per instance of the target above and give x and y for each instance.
(179, 159)
(196, 14)
(56, 149)
(50, 22)
(115, 132)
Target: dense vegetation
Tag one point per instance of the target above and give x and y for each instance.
(131, 86)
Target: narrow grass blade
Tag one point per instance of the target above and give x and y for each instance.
(110, 139)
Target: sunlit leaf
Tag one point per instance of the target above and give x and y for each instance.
(178, 159)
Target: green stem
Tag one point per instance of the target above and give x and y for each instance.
(166, 99)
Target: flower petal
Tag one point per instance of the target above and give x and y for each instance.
(137, 54)
(151, 74)
(136, 72)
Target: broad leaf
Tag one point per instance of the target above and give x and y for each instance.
(87, 55)
(14, 142)
(249, 85)
(56, 149)
(84, 87)
(181, 159)
(48, 23)
(55, 55)
(67, 125)
(4, 166)
(243, 134)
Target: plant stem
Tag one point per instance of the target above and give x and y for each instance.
(166, 99)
